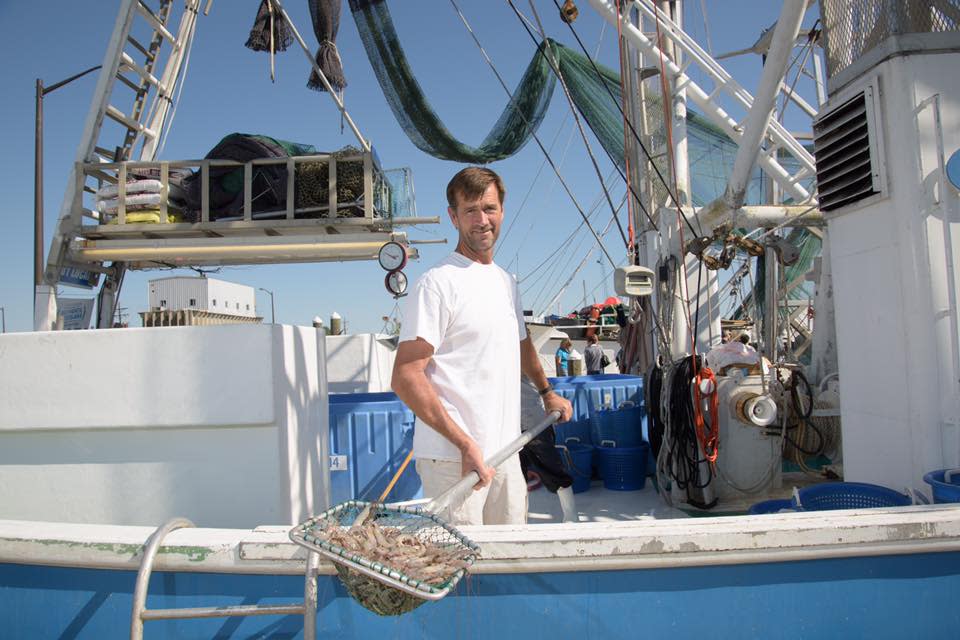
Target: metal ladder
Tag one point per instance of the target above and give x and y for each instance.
(724, 83)
(133, 63)
(307, 608)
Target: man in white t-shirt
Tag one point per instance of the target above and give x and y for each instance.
(463, 345)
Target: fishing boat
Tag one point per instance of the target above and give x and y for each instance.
(156, 494)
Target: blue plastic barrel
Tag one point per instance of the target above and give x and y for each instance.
(373, 432)
(577, 460)
(590, 394)
(848, 495)
(944, 491)
(623, 468)
(579, 429)
(623, 426)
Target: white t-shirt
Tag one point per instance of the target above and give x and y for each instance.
(470, 313)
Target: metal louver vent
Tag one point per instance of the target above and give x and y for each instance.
(845, 157)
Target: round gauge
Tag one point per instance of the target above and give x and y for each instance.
(396, 282)
(953, 169)
(392, 256)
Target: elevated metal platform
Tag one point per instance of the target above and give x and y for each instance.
(331, 207)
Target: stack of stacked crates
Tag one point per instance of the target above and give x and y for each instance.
(597, 402)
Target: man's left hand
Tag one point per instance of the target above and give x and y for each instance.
(553, 401)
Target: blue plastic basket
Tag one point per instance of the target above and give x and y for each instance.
(579, 429)
(944, 491)
(624, 426)
(623, 468)
(848, 495)
(577, 461)
(771, 506)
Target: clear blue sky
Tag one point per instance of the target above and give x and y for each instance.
(228, 89)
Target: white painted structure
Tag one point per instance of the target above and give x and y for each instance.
(585, 546)
(136, 426)
(206, 294)
(894, 257)
(361, 363)
(749, 460)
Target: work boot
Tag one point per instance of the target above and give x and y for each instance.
(567, 504)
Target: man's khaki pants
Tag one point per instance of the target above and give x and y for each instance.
(503, 501)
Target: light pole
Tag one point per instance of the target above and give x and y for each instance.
(273, 318)
(3, 320)
(38, 178)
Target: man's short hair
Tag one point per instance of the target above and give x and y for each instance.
(593, 339)
(471, 182)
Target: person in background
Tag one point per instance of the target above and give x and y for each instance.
(593, 356)
(562, 358)
(463, 345)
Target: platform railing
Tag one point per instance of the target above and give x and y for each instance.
(140, 613)
(372, 201)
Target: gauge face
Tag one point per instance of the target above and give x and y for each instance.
(392, 256)
(396, 282)
(953, 169)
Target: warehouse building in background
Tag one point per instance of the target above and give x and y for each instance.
(189, 300)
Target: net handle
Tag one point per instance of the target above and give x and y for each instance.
(458, 492)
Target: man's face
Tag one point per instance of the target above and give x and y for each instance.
(478, 222)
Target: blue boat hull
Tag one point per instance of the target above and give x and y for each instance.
(894, 596)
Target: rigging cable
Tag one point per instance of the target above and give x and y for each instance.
(516, 215)
(553, 61)
(557, 270)
(668, 122)
(533, 133)
(544, 163)
(621, 45)
(637, 138)
(566, 242)
(583, 261)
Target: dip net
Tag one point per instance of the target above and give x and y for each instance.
(392, 561)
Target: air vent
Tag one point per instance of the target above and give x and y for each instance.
(847, 167)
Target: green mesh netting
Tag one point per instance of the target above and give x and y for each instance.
(519, 119)
(413, 111)
(594, 88)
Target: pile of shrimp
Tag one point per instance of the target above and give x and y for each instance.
(408, 554)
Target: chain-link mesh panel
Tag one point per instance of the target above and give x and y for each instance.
(402, 202)
(854, 27)
(656, 143)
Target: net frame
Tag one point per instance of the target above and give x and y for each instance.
(412, 520)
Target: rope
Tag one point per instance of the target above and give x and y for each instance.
(621, 45)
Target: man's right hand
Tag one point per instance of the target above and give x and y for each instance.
(472, 460)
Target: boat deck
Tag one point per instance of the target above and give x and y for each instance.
(603, 505)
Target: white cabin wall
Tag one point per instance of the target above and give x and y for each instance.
(898, 398)
(135, 426)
